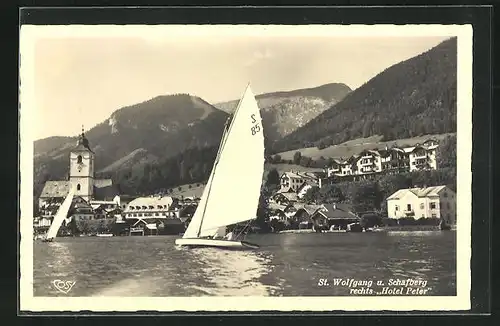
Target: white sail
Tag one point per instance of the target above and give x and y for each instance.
(61, 214)
(194, 226)
(233, 190)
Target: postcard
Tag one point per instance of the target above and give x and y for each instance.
(245, 167)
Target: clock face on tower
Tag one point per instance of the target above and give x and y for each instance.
(79, 167)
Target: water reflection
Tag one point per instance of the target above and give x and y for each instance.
(286, 265)
(232, 273)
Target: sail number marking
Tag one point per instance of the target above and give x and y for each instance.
(255, 125)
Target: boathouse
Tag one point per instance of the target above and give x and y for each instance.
(338, 215)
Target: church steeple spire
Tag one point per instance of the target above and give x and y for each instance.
(83, 141)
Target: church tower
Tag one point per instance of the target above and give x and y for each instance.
(81, 168)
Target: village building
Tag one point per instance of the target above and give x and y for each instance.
(308, 184)
(303, 215)
(368, 161)
(284, 198)
(388, 160)
(144, 207)
(430, 202)
(153, 215)
(422, 157)
(340, 167)
(81, 211)
(291, 181)
(336, 216)
(394, 160)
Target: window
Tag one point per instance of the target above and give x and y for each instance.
(423, 215)
(448, 205)
(78, 187)
(156, 214)
(397, 208)
(79, 159)
(433, 205)
(422, 206)
(434, 216)
(408, 207)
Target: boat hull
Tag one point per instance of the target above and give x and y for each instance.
(223, 244)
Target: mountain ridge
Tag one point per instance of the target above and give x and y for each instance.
(414, 97)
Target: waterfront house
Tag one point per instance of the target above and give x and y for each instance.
(335, 214)
(81, 211)
(304, 212)
(142, 207)
(277, 211)
(429, 202)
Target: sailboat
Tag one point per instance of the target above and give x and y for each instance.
(60, 216)
(232, 192)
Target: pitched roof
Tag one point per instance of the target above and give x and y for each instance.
(105, 193)
(284, 190)
(300, 175)
(276, 206)
(311, 183)
(55, 189)
(289, 195)
(101, 183)
(310, 209)
(335, 211)
(150, 201)
(419, 192)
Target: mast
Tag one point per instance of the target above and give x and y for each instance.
(227, 130)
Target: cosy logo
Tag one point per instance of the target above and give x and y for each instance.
(63, 286)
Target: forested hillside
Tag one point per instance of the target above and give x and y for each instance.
(412, 98)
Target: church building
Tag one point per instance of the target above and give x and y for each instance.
(81, 177)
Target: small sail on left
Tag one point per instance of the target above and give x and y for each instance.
(61, 214)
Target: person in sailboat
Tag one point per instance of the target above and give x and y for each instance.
(230, 236)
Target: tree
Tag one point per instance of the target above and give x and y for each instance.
(273, 178)
(366, 196)
(332, 194)
(263, 209)
(296, 158)
(313, 195)
(447, 153)
(305, 161)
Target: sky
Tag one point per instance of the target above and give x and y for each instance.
(83, 80)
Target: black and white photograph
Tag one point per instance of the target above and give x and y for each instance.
(245, 167)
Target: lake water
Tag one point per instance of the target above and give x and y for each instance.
(285, 265)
